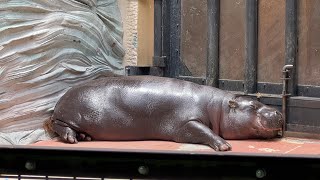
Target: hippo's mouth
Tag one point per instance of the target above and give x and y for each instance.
(276, 132)
(263, 128)
(270, 133)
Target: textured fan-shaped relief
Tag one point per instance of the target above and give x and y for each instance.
(48, 46)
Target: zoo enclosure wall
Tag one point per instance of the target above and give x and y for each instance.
(242, 46)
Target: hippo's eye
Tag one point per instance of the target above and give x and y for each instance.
(254, 107)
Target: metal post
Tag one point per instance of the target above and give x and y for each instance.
(291, 42)
(285, 80)
(166, 35)
(250, 85)
(157, 28)
(171, 36)
(213, 43)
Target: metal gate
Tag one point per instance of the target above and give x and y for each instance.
(243, 46)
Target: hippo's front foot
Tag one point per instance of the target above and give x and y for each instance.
(196, 132)
(64, 131)
(83, 137)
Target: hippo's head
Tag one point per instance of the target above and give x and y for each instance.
(245, 118)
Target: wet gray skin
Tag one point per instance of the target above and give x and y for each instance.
(157, 108)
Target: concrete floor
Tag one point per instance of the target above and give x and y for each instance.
(286, 145)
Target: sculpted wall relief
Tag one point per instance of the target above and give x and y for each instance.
(46, 47)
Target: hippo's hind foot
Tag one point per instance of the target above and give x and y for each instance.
(196, 132)
(64, 131)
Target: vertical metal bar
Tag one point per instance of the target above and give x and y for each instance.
(165, 34)
(175, 34)
(291, 43)
(250, 85)
(157, 28)
(285, 79)
(213, 43)
(171, 36)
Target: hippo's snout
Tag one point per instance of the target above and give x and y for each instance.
(272, 118)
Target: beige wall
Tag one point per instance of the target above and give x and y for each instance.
(145, 32)
(137, 18)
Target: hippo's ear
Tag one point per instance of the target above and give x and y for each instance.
(233, 104)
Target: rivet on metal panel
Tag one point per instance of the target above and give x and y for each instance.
(30, 165)
(261, 173)
(144, 170)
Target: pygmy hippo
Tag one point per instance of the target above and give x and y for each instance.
(158, 108)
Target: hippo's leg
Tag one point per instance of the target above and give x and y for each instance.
(196, 132)
(64, 131)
